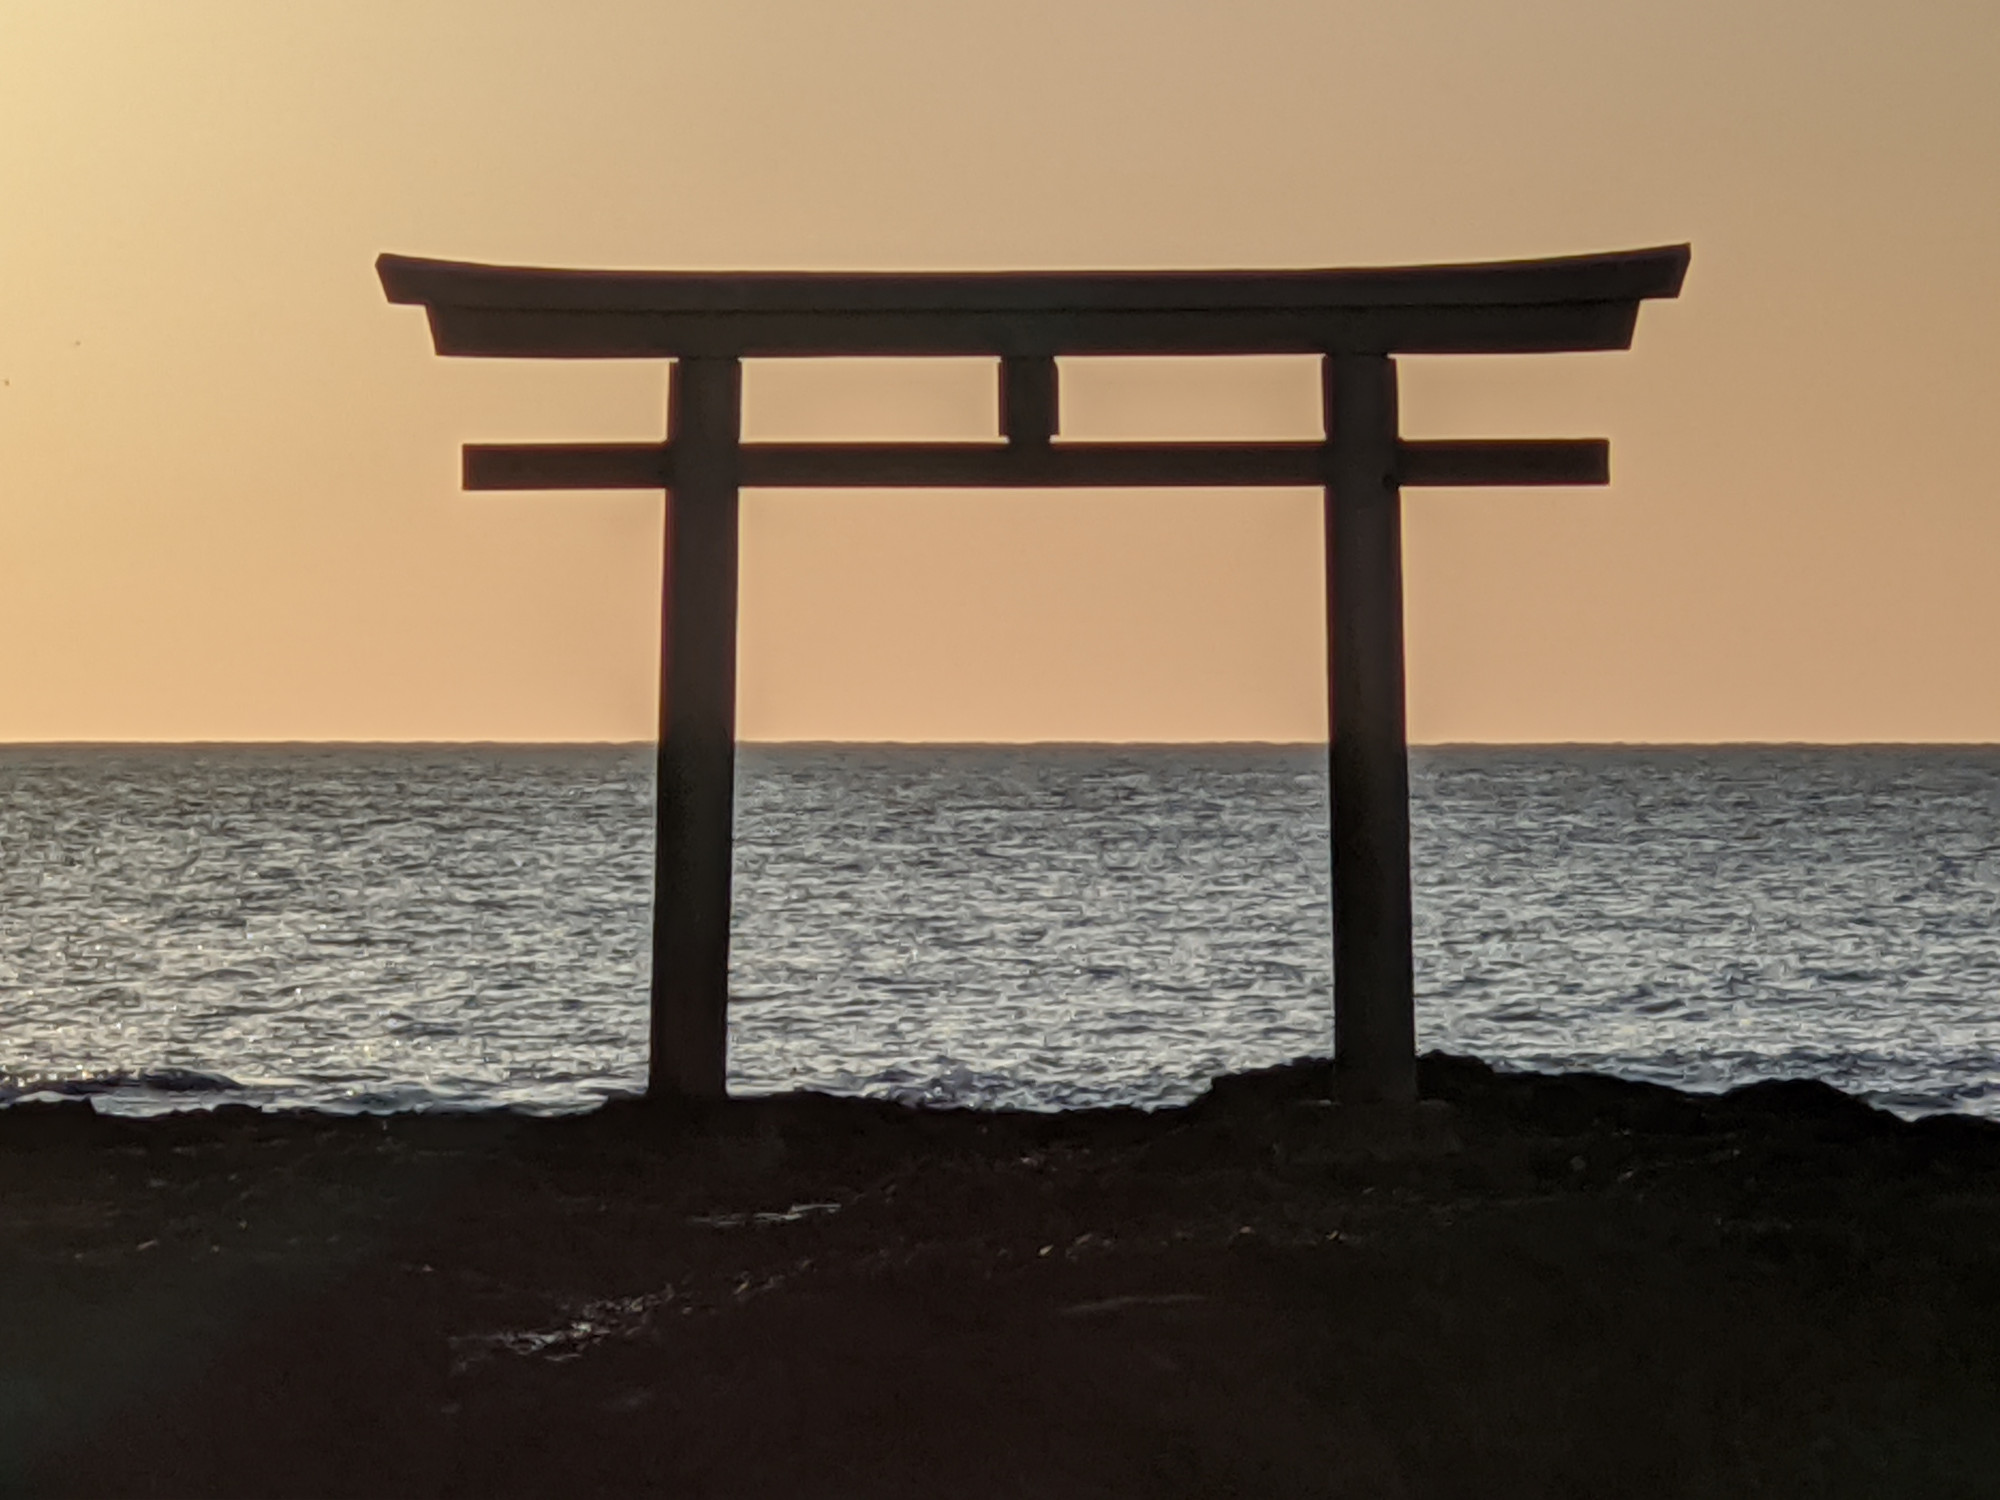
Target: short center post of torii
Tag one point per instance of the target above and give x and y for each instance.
(1355, 320)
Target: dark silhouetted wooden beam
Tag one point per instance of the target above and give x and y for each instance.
(1504, 328)
(697, 768)
(1504, 461)
(1374, 1015)
(1620, 276)
(1573, 302)
(569, 466)
(1029, 464)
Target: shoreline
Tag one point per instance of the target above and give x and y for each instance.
(217, 1092)
(1564, 1284)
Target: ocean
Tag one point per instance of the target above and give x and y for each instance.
(448, 927)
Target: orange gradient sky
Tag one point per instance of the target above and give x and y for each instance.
(228, 469)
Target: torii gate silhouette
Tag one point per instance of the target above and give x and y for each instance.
(1355, 320)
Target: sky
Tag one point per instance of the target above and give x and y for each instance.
(228, 468)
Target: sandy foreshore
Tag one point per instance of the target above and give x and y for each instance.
(1566, 1286)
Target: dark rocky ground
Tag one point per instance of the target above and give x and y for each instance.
(1565, 1287)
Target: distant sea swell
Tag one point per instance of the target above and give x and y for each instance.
(425, 927)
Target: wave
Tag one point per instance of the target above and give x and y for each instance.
(15, 1086)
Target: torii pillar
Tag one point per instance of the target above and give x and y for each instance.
(1356, 320)
(696, 785)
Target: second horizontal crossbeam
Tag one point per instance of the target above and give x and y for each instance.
(642, 466)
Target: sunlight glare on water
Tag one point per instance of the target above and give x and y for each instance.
(452, 927)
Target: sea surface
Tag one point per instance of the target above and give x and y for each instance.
(370, 929)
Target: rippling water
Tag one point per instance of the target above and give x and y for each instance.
(412, 927)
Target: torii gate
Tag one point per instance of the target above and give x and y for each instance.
(1356, 320)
